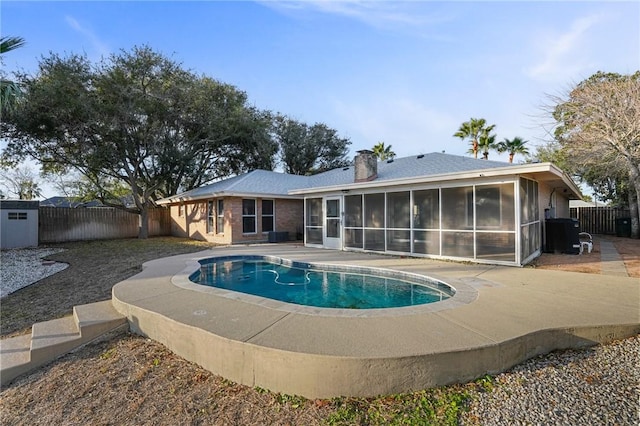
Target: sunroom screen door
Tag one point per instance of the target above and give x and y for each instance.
(332, 224)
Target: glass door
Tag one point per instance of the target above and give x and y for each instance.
(332, 223)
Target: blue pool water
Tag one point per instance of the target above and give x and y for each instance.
(311, 285)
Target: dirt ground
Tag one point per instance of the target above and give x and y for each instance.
(125, 379)
(629, 250)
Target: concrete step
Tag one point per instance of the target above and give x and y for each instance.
(14, 357)
(96, 319)
(51, 339)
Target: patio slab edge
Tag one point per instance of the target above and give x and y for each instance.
(313, 374)
(324, 376)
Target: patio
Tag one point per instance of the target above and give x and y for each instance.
(518, 313)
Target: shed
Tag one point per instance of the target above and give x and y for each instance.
(18, 223)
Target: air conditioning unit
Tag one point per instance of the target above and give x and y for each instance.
(562, 236)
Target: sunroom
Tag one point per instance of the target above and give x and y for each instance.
(493, 214)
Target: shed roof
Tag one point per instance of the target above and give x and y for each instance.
(18, 205)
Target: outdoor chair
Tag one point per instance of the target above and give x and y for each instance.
(586, 242)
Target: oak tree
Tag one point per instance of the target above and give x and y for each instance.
(136, 118)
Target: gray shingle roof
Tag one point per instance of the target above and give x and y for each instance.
(255, 182)
(274, 184)
(408, 167)
(69, 202)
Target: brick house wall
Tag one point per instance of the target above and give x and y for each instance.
(190, 220)
(290, 217)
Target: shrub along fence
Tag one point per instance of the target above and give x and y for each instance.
(601, 220)
(59, 224)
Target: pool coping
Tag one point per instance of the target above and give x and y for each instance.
(463, 293)
(516, 314)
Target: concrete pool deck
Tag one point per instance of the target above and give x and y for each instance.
(506, 315)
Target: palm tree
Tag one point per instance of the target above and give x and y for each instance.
(486, 142)
(472, 130)
(8, 44)
(382, 152)
(9, 90)
(513, 147)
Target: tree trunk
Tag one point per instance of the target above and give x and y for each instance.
(475, 148)
(634, 201)
(511, 154)
(633, 212)
(143, 232)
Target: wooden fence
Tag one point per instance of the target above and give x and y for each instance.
(58, 224)
(598, 220)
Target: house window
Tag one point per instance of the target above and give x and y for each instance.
(220, 213)
(267, 216)
(248, 216)
(211, 215)
(17, 215)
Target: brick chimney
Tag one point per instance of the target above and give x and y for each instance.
(366, 166)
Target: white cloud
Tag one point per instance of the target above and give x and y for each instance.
(379, 14)
(100, 48)
(565, 54)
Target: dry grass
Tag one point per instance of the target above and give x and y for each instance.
(126, 379)
(94, 267)
(629, 250)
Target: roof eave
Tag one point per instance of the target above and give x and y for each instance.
(484, 173)
(177, 199)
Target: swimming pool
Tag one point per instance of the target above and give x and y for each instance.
(324, 286)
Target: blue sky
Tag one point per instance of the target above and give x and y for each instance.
(406, 73)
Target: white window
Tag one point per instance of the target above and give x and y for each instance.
(220, 213)
(267, 216)
(211, 215)
(248, 216)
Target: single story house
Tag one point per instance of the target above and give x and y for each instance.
(69, 202)
(241, 209)
(433, 205)
(581, 203)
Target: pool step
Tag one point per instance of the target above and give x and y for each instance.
(51, 339)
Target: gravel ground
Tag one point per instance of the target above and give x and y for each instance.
(21, 267)
(597, 386)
